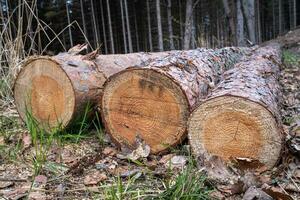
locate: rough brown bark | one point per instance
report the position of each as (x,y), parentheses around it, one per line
(57,90)
(154,100)
(240,118)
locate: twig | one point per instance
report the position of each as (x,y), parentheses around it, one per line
(13,180)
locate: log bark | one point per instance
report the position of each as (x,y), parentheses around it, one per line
(154,100)
(241,118)
(57,90)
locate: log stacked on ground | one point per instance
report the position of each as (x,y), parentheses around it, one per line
(57,90)
(154,101)
(240,118)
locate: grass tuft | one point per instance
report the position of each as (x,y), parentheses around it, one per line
(188,185)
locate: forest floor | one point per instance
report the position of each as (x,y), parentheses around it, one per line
(86,165)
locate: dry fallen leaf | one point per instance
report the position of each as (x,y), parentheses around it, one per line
(2,140)
(276,193)
(231,189)
(37,195)
(26,140)
(16,194)
(248,164)
(142,150)
(109,151)
(67,157)
(178,162)
(130,173)
(40,180)
(254,193)
(218,172)
(166,158)
(94,177)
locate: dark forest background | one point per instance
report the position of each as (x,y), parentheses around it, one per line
(122,26)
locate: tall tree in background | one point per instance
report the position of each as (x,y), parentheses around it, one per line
(185,25)
(280,16)
(69,22)
(273,18)
(123,27)
(159,28)
(136,31)
(149,26)
(103,27)
(294,13)
(258,34)
(110,28)
(128,27)
(249,13)
(188,24)
(170,25)
(95,25)
(193,32)
(230,17)
(83,18)
(240,24)
(180,24)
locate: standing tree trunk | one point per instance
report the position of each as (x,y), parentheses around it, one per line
(110,28)
(230,17)
(171,40)
(149,27)
(249,12)
(95,26)
(136,32)
(188,24)
(154,100)
(273,18)
(295,13)
(159,28)
(258,23)
(69,24)
(103,27)
(240,118)
(181,26)
(193,33)
(83,20)
(57,90)
(240,24)
(280,16)
(128,27)
(123,27)
(218,30)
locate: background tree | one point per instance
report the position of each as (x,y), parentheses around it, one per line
(121,26)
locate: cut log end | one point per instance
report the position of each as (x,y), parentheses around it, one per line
(229,126)
(44,90)
(146,103)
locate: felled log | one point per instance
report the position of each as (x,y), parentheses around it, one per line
(154,101)
(241,118)
(58,91)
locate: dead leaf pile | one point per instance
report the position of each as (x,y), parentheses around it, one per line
(142,150)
